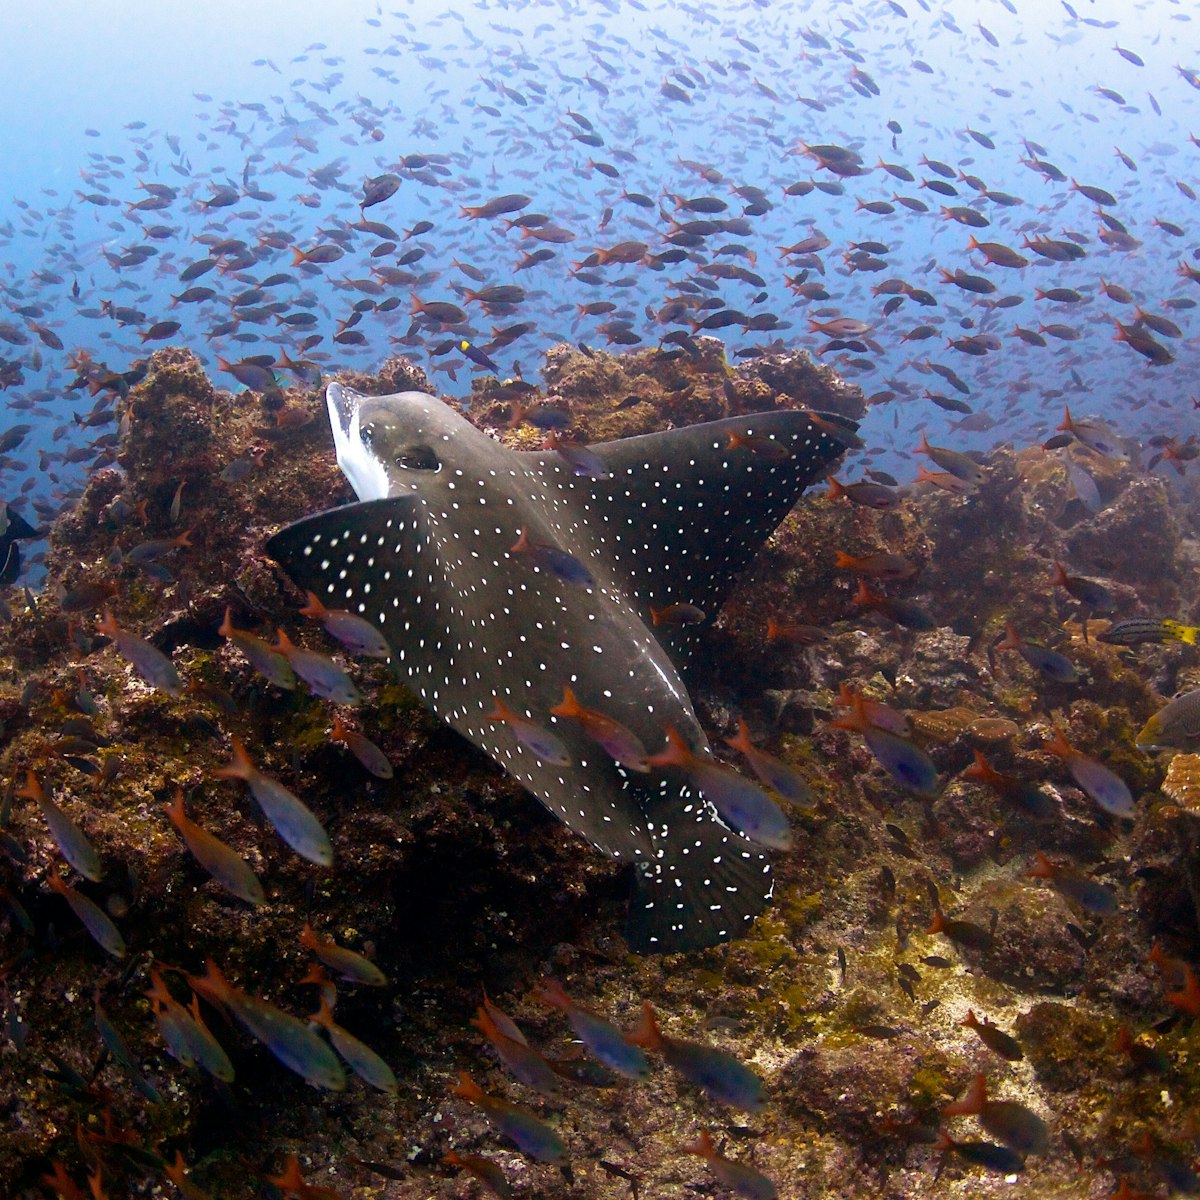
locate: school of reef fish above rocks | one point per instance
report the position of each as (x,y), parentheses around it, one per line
(971,982)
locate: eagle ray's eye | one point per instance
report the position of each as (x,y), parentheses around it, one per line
(418,457)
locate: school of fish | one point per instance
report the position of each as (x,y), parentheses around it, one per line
(906,772)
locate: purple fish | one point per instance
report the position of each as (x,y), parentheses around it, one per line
(532,1135)
(72,842)
(150,663)
(721,1075)
(557,562)
(291,818)
(742,805)
(323,676)
(532,736)
(299,1047)
(606,1042)
(93,918)
(357,635)
(1109,791)
(270,664)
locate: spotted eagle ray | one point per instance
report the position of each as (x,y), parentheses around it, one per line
(426,555)
(13,528)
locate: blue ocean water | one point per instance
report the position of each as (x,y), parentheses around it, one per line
(1007,107)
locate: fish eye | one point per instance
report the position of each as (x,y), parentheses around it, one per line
(418,457)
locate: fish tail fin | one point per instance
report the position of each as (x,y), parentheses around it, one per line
(240,767)
(647,1032)
(314,608)
(741,741)
(467,1088)
(32,789)
(1058,744)
(677,754)
(570,706)
(485,1024)
(1183,633)
(980,769)
(864,595)
(212,985)
(1011,639)
(552,993)
(972,1102)
(174,808)
(324,1014)
(1042,867)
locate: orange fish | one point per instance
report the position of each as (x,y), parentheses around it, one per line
(945,481)
(679,613)
(350,965)
(486,1171)
(62,1183)
(1187,998)
(357,1055)
(796,635)
(291,1183)
(717,1073)
(771,771)
(879,566)
(766,447)
(293,1042)
(93,918)
(222,862)
(741,804)
(177,1173)
(738,1177)
(620,743)
(869,495)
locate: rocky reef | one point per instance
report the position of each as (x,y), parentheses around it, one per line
(452,879)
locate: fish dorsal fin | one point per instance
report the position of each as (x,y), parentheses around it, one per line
(683,511)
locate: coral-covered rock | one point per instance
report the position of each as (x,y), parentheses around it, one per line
(454,879)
